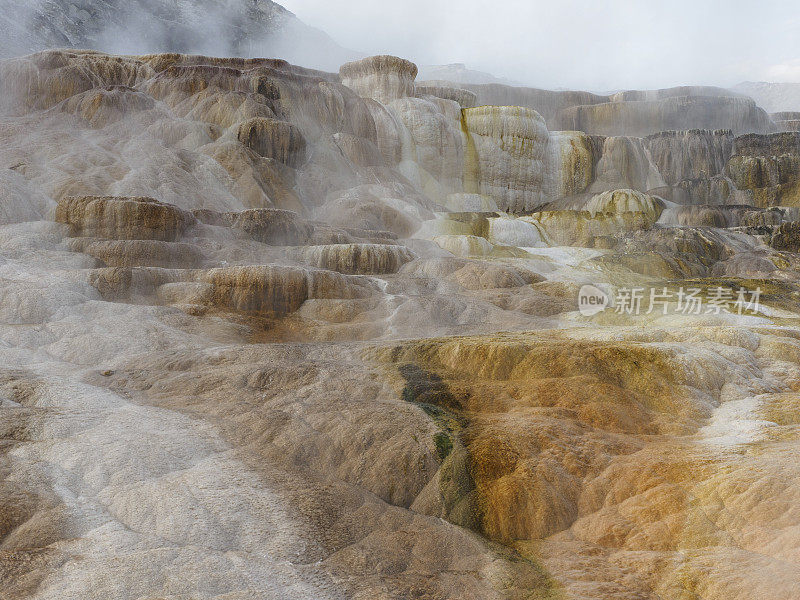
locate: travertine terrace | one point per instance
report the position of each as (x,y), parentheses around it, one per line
(274,332)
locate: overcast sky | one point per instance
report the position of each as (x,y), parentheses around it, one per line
(601,45)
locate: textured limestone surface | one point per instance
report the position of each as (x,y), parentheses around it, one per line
(507,147)
(272,332)
(635,112)
(382,78)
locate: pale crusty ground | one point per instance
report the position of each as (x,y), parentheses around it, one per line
(228,418)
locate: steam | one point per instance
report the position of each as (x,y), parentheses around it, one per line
(148,492)
(243,28)
(577,44)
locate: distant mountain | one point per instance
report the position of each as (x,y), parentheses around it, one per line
(459,73)
(217,27)
(772,97)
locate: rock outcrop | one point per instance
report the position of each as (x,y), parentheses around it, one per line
(632,113)
(464,245)
(505,155)
(587,230)
(754,219)
(357,259)
(272,226)
(625,162)
(382,78)
(786,237)
(692,154)
(547,103)
(123,218)
(437,143)
(273,139)
(624,201)
(572,162)
(139,253)
(515,232)
(645,117)
(273,290)
(465,98)
(767,168)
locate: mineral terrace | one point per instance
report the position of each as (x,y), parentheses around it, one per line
(275,333)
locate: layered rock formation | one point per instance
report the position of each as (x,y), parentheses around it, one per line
(644,117)
(632,113)
(766,168)
(625,163)
(465,98)
(272,226)
(293,334)
(694,154)
(573,162)
(122,218)
(369,259)
(438,148)
(382,78)
(505,155)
